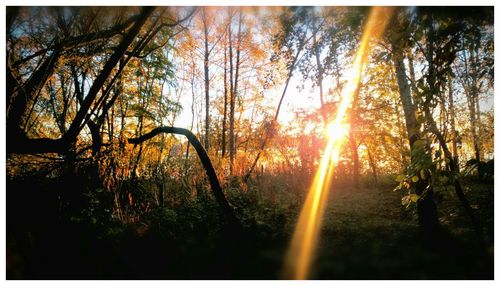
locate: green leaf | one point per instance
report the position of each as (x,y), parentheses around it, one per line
(400,178)
(414,179)
(443,179)
(419,143)
(422,174)
(421,119)
(414,197)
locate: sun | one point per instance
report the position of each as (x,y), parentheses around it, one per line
(305,237)
(337,131)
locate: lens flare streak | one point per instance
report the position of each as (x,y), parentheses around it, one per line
(304,240)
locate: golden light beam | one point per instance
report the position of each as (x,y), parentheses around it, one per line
(304,240)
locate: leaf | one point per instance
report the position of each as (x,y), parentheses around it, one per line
(414,179)
(400,178)
(443,179)
(419,145)
(422,174)
(421,119)
(414,197)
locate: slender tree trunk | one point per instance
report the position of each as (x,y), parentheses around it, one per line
(476,91)
(373,166)
(234,94)
(471,104)
(426,207)
(355,159)
(268,133)
(352,136)
(453,130)
(207,83)
(454,176)
(231,102)
(320,78)
(224,117)
(193,103)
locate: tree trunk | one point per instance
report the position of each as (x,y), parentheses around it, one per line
(268,134)
(426,207)
(207,83)
(234,93)
(231,102)
(372,164)
(431,123)
(470,92)
(454,176)
(355,159)
(320,78)
(224,117)
(452,123)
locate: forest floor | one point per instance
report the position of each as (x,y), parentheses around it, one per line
(366,234)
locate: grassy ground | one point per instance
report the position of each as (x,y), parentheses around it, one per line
(366,234)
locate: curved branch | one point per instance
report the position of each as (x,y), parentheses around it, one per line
(227,211)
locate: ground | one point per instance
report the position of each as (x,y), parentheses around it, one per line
(366,234)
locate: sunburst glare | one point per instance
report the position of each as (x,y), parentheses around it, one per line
(304,240)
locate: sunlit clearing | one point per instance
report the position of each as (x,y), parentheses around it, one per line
(303,244)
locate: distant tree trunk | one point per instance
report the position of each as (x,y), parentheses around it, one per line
(353,119)
(476,90)
(140,125)
(207,82)
(234,93)
(268,135)
(231,102)
(473,125)
(373,166)
(426,207)
(224,117)
(193,101)
(320,77)
(453,130)
(470,92)
(355,159)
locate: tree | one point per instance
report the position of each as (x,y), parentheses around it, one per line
(427,211)
(436,39)
(22,93)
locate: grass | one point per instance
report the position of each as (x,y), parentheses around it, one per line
(367,234)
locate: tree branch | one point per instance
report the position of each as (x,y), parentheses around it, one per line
(226,210)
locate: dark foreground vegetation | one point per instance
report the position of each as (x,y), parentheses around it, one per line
(367,233)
